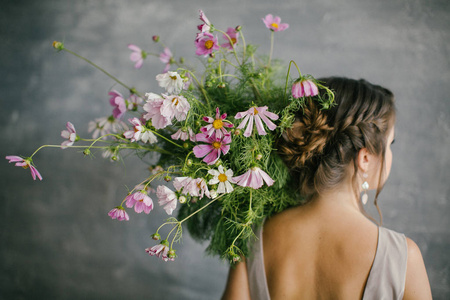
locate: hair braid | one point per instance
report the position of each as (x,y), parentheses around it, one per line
(322,144)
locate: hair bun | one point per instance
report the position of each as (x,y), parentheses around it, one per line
(307,137)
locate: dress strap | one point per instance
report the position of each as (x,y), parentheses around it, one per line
(255,268)
(388,273)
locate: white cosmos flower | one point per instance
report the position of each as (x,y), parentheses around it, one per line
(171,81)
(223,178)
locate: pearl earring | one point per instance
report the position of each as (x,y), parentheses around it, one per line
(365,187)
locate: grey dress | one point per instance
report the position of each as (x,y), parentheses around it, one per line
(386,278)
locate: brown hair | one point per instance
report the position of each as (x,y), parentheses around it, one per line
(321,144)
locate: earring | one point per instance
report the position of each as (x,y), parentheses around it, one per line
(365,187)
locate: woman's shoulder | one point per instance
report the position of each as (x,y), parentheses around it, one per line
(417,285)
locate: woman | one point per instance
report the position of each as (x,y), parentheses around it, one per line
(328,248)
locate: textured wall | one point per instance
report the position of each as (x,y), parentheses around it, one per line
(57,241)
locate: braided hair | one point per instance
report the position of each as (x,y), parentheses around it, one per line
(321,145)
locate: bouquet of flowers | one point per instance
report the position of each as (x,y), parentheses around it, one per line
(214,135)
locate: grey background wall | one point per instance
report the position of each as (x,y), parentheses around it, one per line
(56,241)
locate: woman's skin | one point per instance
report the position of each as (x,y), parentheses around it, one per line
(325,249)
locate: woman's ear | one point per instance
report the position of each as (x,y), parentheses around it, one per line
(363,160)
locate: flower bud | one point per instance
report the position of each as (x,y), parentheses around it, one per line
(211,55)
(156,236)
(236,258)
(213,194)
(238,28)
(58,45)
(167,178)
(221,85)
(87,151)
(185,145)
(258,157)
(114,158)
(237,132)
(171,253)
(181,60)
(189,162)
(182,199)
(155,38)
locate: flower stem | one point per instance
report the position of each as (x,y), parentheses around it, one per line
(287,76)
(59,146)
(200,86)
(244,46)
(271,48)
(200,209)
(163,137)
(103,70)
(232,45)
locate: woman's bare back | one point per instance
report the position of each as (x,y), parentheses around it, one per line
(318,252)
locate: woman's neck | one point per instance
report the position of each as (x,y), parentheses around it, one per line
(343,197)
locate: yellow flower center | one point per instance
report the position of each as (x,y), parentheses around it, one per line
(217,124)
(255,111)
(274,25)
(175,101)
(233,41)
(209,44)
(222,177)
(216,145)
(26,166)
(173,77)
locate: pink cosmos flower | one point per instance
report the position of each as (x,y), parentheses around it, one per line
(118,102)
(161,250)
(274,23)
(180,183)
(70,134)
(234,36)
(137,55)
(105,125)
(139,132)
(119,213)
(141,202)
(190,186)
(259,115)
(184,134)
(25,163)
(216,125)
(206,26)
(167,58)
(215,147)
(133,102)
(206,44)
(171,81)
(153,109)
(175,106)
(254,178)
(304,88)
(202,188)
(156,169)
(166,198)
